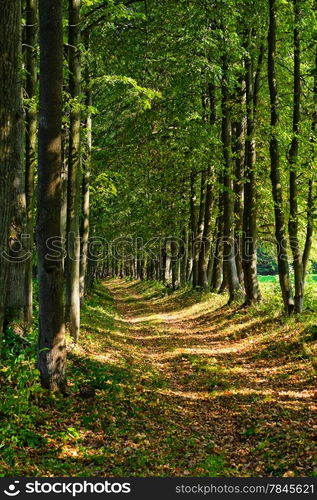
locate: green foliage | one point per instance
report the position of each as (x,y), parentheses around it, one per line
(21,393)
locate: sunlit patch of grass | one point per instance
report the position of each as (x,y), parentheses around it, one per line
(213,466)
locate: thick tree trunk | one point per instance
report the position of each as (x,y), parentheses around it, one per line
(249,245)
(52,346)
(74,174)
(30,149)
(280,228)
(10,126)
(17,240)
(228,195)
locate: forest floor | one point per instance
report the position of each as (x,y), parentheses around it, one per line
(184,386)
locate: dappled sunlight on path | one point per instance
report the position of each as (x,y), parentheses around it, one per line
(228,371)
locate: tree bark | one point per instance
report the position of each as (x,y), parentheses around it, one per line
(175,264)
(249,245)
(277,193)
(204,254)
(293,164)
(239,130)
(30,149)
(184,256)
(85,224)
(228,195)
(310,195)
(52,346)
(17,250)
(193,225)
(218,251)
(205,250)
(200,227)
(74,174)
(10,126)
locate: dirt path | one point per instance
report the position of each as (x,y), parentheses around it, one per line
(170,385)
(235,388)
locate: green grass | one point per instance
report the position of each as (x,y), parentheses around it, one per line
(274,278)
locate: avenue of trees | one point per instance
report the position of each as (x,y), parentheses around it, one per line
(153,139)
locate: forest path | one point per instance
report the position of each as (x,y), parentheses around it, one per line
(171,385)
(230,376)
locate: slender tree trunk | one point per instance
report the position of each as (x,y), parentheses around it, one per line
(10,118)
(184,256)
(193,225)
(86,194)
(293,164)
(239,129)
(175,264)
(205,250)
(52,346)
(249,245)
(168,262)
(207,236)
(74,174)
(280,227)
(30,149)
(310,196)
(200,227)
(218,252)
(228,195)
(64,180)
(212,254)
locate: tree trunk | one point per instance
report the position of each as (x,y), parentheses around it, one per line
(249,245)
(17,240)
(228,195)
(204,255)
(30,149)
(52,346)
(218,252)
(205,250)
(280,228)
(200,227)
(193,225)
(74,174)
(175,264)
(310,196)
(17,247)
(293,164)
(86,194)
(168,262)
(184,257)
(239,129)
(10,126)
